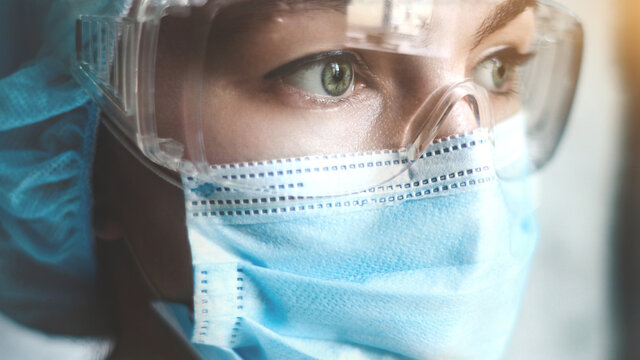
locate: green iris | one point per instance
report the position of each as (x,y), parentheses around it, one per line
(337,78)
(501,73)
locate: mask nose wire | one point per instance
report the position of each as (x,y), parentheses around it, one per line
(454,102)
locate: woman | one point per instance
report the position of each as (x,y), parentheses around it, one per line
(321,179)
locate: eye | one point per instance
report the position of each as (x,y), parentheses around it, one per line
(324,75)
(494,75)
(332,78)
(498,72)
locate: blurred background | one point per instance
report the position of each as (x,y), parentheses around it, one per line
(583,297)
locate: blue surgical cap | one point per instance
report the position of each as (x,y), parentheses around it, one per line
(47,139)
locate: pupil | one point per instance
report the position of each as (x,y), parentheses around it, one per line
(336,72)
(502,71)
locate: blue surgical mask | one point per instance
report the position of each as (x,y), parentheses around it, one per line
(429,266)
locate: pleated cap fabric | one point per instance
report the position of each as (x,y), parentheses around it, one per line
(47,139)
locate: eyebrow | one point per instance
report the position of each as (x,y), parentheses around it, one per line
(501,15)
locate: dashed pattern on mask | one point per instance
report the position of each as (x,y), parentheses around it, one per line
(373,197)
(210,298)
(449,165)
(435,150)
(333,168)
(240,297)
(378,189)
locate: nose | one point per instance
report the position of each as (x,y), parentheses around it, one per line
(462,119)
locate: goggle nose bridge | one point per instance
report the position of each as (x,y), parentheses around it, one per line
(438,107)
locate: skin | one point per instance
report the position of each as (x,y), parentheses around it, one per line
(139,215)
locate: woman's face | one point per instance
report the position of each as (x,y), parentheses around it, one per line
(283,78)
(279,81)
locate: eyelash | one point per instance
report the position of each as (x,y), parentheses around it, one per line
(361,73)
(290,68)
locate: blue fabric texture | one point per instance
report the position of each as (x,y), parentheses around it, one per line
(47,135)
(374,284)
(431,277)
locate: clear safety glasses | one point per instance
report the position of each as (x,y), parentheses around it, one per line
(220,88)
